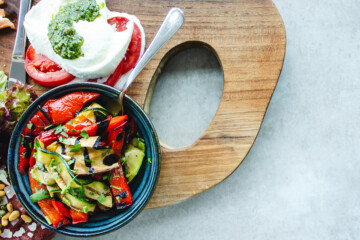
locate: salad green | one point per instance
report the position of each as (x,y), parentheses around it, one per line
(13,102)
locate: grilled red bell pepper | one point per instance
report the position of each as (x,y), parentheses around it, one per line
(61,209)
(23,160)
(63,109)
(133,128)
(81,123)
(116,140)
(78,217)
(107,125)
(120,189)
(38,122)
(117,122)
(48,137)
(46,206)
(32,159)
(116,132)
(77,125)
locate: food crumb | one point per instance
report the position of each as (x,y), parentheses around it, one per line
(9,191)
(20,232)
(14,222)
(33,226)
(6,233)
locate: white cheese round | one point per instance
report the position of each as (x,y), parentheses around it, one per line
(103,46)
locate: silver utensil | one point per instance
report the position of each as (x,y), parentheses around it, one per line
(17,69)
(172,23)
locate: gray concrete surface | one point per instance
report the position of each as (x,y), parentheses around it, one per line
(300,179)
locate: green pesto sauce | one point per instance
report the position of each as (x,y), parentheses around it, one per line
(62,35)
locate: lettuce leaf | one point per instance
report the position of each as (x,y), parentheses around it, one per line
(13,102)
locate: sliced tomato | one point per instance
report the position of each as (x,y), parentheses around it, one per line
(132,54)
(44,71)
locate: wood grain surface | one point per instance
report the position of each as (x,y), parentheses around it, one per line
(248,37)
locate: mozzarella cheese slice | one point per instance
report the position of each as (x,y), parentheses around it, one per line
(103,47)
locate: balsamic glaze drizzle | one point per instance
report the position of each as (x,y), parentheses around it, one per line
(102,126)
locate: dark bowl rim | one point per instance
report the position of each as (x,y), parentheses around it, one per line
(84,85)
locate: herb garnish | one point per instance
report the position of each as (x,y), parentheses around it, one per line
(76,148)
(117,188)
(64,134)
(48,126)
(84,134)
(101,198)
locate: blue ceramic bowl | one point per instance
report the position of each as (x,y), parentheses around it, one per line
(141,187)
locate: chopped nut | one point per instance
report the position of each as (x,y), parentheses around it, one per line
(2,14)
(26,218)
(6,216)
(4,222)
(14,215)
(2,193)
(5,22)
(9,207)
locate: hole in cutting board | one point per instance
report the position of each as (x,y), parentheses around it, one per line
(185,94)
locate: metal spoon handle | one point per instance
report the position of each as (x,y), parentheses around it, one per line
(172,23)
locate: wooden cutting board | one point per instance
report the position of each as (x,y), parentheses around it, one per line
(248,37)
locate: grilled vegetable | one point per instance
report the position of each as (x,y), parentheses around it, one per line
(76,203)
(100,192)
(42,176)
(120,189)
(78,217)
(61,209)
(46,207)
(52,189)
(94,113)
(89,157)
(77,161)
(63,109)
(134,155)
(39,195)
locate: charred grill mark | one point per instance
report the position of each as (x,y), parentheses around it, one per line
(127,133)
(111,159)
(62,148)
(86,159)
(102,126)
(71,166)
(77,140)
(96,143)
(119,137)
(122,194)
(45,113)
(28,140)
(121,126)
